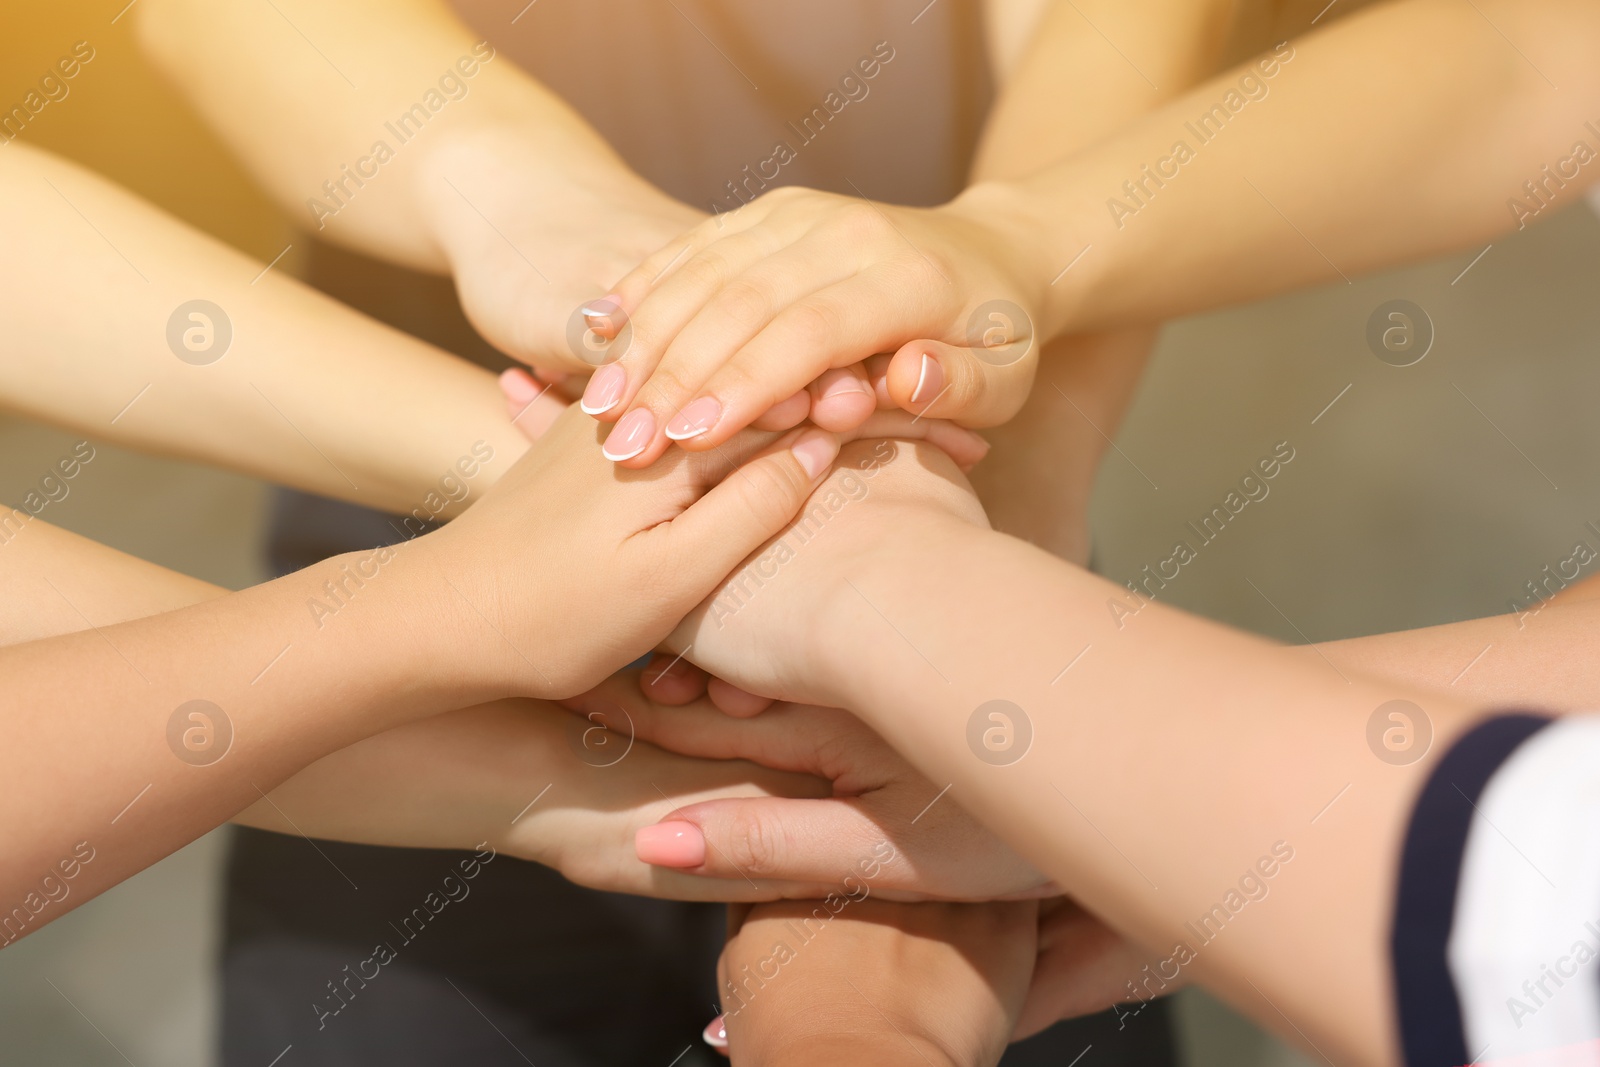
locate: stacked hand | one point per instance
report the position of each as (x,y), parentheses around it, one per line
(773,310)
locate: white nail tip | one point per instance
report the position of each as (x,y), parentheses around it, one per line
(922,378)
(687,436)
(618,459)
(587,410)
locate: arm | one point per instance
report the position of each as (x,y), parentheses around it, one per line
(306,392)
(507,188)
(1360,146)
(456,780)
(106,744)
(1037,482)
(1235,744)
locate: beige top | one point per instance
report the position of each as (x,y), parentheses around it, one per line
(716,100)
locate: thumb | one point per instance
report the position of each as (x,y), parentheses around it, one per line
(971,386)
(712,537)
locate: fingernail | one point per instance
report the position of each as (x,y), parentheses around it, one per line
(630,436)
(604,389)
(518,387)
(844,383)
(670,844)
(930,380)
(676,668)
(814,451)
(716,1033)
(697,417)
(605,307)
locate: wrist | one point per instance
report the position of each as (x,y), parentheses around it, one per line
(858,618)
(1022,225)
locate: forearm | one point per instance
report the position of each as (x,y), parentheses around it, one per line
(106,746)
(1299,186)
(1236,747)
(1037,482)
(305,391)
(1541,657)
(301,114)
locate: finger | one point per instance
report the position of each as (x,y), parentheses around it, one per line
(786,414)
(722,322)
(631,290)
(713,536)
(970,386)
(765,838)
(664,311)
(736,702)
(833,327)
(878,378)
(533,407)
(963,446)
(841,399)
(672,680)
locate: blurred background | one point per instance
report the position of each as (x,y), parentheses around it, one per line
(1423,494)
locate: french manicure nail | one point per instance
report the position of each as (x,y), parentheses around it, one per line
(630,436)
(930,380)
(603,308)
(604,389)
(814,451)
(716,1033)
(696,418)
(670,844)
(843,384)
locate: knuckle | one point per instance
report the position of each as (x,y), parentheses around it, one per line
(756,844)
(862,221)
(707,269)
(813,323)
(743,302)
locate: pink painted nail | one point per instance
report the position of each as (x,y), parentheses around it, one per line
(716,1033)
(671,844)
(930,380)
(604,389)
(697,417)
(630,436)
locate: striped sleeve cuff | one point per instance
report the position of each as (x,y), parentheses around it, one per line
(1497,917)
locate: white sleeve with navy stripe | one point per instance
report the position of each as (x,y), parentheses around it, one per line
(1496,938)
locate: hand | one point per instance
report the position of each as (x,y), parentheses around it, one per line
(570,568)
(1083,967)
(883,816)
(531,780)
(741,313)
(528,243)
(567,547)
(913,984)
(755,630)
